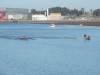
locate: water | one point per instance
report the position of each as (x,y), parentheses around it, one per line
(50,51)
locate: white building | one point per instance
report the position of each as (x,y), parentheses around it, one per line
(39,17)
(16,17)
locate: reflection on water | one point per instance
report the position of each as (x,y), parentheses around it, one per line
(49,51)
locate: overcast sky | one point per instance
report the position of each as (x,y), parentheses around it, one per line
(44,4)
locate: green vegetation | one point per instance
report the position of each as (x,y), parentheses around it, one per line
(64,11)
(96,12)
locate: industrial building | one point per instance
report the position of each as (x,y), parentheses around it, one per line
(23,14)
(14,13)
(46,16)
(17,13)
(40,16)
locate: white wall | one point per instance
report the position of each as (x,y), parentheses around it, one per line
(39,17)
(17,16)
(10,17)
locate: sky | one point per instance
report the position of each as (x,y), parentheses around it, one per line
(44,4)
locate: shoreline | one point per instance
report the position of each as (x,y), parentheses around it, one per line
(64,22)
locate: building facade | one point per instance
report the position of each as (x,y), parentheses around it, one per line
(17,13)
(39,17)
(55,16)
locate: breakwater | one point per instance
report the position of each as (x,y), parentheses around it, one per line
(64,22)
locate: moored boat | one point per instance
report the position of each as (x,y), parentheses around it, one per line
(80,25)
(52,25)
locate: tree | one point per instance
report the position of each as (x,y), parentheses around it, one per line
(33,11)
(80,13)
(96,12)
(82,10)
(64,11)
(91,11)
(76,12)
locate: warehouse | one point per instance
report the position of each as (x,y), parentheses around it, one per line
(17,13)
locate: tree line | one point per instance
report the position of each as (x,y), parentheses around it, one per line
(67,12)
(96,12)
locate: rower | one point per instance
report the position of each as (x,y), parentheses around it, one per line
(88,38)
(85,36)
(23,38)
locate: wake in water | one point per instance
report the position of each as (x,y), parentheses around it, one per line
(34,38)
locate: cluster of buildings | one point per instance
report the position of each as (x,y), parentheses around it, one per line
(14,13)
(23,14)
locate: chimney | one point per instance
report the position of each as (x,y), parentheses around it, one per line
(47,13)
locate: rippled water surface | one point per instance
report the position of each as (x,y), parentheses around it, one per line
(49,51)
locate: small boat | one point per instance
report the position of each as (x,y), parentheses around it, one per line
(23,38)
(81,25)
(52,25)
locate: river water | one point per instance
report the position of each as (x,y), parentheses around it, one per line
(49,51)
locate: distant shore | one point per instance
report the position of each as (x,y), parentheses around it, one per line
(64,22)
